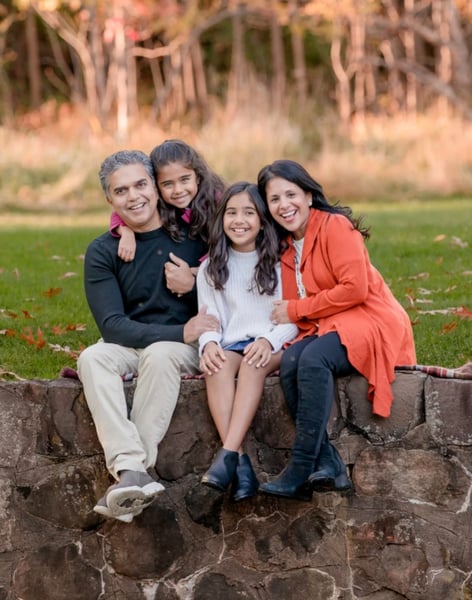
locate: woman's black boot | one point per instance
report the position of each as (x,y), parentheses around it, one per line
(245,483)
(291,483)
(222,470)
(330,473)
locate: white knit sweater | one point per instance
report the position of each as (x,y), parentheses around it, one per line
(243,312)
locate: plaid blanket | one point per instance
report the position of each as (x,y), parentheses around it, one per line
(464,372)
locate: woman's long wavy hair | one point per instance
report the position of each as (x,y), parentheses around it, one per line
(295,173)
(210,189)
(265,274)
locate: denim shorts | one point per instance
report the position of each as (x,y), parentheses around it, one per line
(239,346)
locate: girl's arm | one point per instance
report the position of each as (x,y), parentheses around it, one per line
(127,244)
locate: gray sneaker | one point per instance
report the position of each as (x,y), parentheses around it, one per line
(102,509)
(134,491)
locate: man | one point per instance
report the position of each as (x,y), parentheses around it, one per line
(146,330)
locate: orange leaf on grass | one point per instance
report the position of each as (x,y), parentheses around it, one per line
(76,327)
(29,338)
(52,292)
(11,314)
(448,327)
(464,312)
(58,330)
(8,332)
(26,314)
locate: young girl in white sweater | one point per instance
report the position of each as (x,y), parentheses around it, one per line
(238,283)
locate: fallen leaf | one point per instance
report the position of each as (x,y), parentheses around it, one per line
(464,312)
(29,338)
(456,241)
(4,374)
(419,276)
(439,238)
(58,330)
(52,292)
(76,327)
(8,332)
(26,314)
(67,275)
(448,327)
(439,311)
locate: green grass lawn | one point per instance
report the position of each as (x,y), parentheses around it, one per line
(423,249)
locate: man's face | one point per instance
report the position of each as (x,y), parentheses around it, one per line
(133,196)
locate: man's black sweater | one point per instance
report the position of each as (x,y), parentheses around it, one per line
(130,301)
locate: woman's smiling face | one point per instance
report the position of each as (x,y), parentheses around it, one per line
(289,205)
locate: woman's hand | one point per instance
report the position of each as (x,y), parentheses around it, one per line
(279,313)
(258,353)
(179,276)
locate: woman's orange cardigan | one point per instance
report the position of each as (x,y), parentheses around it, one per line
(345,293)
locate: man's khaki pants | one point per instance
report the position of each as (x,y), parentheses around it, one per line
(131,442)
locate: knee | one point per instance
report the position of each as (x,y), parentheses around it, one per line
(88,357)
(160,356)
(288,364)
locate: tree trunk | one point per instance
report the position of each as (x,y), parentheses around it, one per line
(278,60)
(34,72)
(408,38)
(299,65)
(343,93)
(236,74)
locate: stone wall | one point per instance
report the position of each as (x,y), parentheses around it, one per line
(406,531)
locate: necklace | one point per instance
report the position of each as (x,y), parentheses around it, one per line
(298,245)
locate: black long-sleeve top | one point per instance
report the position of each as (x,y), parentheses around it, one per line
(130,301)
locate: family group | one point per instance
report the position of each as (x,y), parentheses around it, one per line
(234,282)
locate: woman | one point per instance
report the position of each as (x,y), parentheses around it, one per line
(349,321)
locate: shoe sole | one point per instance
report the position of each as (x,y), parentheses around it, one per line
(304,497)
(124,500)
(331,484)
(213,484)
(104,511)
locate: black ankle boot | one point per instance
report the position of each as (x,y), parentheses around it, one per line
(222,469)
(245,483)
(291,483)
(330,473)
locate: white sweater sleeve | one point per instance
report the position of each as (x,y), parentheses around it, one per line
(207,298)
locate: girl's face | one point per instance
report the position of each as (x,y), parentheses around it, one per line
(177,185)
(241,223)
(289,205)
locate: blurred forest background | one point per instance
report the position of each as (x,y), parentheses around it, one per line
(373,96)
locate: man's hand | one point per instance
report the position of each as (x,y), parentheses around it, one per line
(198,324)
(179,276)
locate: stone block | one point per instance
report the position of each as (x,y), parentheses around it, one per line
(448,410)
(407,407)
